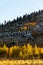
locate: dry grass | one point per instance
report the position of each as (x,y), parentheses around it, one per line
(21,62)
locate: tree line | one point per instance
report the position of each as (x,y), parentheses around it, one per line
(26,18)
(21,52)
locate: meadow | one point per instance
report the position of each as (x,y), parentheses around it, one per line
(21,62)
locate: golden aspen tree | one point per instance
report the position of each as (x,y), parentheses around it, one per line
(21,54)
(36,51)
(29,50)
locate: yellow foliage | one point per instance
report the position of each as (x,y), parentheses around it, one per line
(24,28)
(36,51)
(32,23)
(15,47)
(5,48)
(24,52)
(29,49)
(11,48)
(1,48)
(20,54)
(41,50)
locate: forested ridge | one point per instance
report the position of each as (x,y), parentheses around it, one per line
(25,29)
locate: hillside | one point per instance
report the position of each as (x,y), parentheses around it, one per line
(28,28)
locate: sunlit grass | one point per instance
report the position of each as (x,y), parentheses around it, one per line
(21,62)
